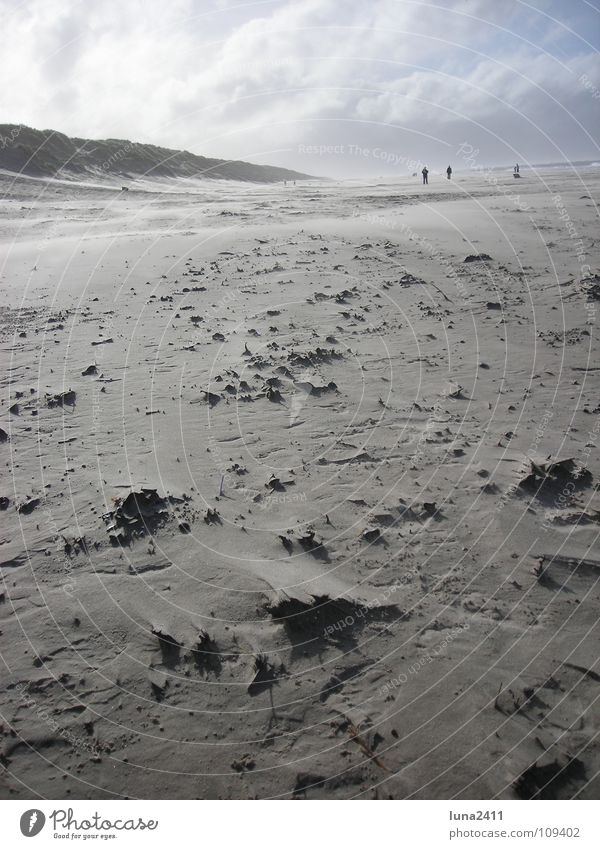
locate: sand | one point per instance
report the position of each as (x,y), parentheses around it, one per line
(280,515)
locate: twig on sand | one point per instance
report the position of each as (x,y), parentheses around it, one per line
(364,746)
(496,702)
(588,673)
(450,301)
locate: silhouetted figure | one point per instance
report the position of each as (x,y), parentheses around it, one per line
(425,172)
(449,172)
(517,168)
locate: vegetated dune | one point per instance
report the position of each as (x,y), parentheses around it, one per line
(47,153)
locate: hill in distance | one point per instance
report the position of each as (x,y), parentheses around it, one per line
(49,154)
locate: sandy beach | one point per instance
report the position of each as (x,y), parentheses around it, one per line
(299,488)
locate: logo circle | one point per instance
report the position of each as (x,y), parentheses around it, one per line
(32,822)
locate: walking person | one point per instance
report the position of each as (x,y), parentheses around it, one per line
(425,172)
(449,172)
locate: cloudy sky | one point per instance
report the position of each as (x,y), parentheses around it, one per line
(331,87)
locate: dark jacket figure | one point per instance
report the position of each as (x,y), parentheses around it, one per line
(425,172)
(449,172)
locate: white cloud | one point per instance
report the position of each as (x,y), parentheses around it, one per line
(231,80)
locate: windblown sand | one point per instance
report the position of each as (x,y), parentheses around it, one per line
(281,509)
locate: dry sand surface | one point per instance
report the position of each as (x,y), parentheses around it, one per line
(285,512)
